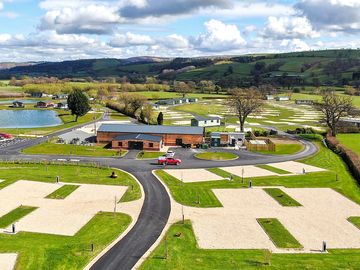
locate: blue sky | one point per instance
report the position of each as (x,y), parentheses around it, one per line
(73,29)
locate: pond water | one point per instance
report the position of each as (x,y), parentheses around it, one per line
(25,101)
(28,118)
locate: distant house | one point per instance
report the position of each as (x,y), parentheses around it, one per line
(62,105)
(282,98)
(304,102)
(18,104)
(45,104)
(176,101)
(227,139)
(60,96)
(269,97)
(199,121)
(36,94)
(193,100)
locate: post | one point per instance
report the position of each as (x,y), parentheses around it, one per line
(324,247)
(92,247)
(13,228)
(57,179)
(250,184)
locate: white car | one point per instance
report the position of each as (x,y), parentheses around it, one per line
(170,154)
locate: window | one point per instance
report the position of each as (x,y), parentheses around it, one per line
(120,144)
(151,145)
(205,121)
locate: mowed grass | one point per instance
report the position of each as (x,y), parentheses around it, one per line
(47,251)
(284,149)
(184,253)
(278,234)
(351,141)
(273,169)
(149,155)
(71,149)
(216,156)
(355,221)
(69,173)
(62,192)
(14,215)
(281,197)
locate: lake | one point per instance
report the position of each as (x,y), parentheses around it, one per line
(28,118)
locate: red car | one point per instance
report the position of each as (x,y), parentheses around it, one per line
(169,161)
(6,136)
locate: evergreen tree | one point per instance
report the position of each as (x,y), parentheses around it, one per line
(78,103)
(160,118)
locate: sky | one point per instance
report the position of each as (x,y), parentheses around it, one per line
(56,30)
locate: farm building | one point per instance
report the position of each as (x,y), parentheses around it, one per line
(200,121)
(227,139)
(45,104)
(304,102)
(148,137)
(17,104)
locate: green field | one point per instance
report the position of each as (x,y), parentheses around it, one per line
(16,214)
(72,149)
(62,192)
(216,156)
(183,253)
(156,95)
(71,173)
(284,149)
(278,234)
(281,197)
(47,251)
(352,141)
(149,155)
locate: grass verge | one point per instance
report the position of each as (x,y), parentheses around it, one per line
(355,221)
(273,169)
(62,192)
(284,149)
(278,234)
(281,197)
(149,155)
(15,215)
(216,156)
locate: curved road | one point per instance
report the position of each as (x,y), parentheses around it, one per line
(156,208)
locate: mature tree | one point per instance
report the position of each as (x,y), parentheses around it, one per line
(160,118)
(146,113)
(245,102)
(78,103)
(334,107)
(182,88)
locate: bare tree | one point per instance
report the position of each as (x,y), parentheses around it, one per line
(245,102)
(334,107)
(182,88)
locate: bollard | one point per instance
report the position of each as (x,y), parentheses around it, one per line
(13,228)
(324,247)
(250,184)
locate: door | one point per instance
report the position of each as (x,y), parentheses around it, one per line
(136,145)
(179,142)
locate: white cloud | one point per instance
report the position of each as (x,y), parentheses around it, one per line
(294,45)
(288,27)
(219,37)
(332,15)
(130,39)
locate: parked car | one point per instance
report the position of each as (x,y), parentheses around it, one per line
(169,161)
(170,154)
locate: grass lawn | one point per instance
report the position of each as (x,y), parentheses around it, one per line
(163,95)
(62,192)
(69,173)
(14,215)
(47,251)
(351,141)
(281,197)
(183,254)
(149,155)
(273,169)
(71,149)
(65,116)
(278,234)
(284,149)
(188,193)
(216,156)
(355,221)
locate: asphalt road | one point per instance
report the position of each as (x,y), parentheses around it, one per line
(156,208)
